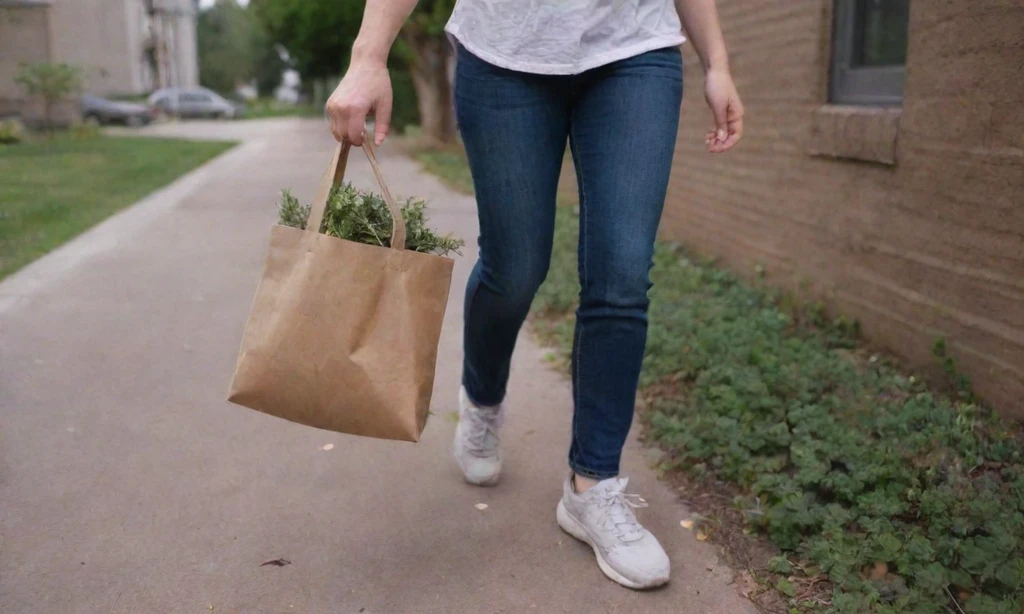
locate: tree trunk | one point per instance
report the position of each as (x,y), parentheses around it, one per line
(429,71)
(48,116)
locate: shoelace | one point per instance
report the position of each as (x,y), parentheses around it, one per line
(481,423)
(618,506)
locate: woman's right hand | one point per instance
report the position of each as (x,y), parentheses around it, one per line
(365,88)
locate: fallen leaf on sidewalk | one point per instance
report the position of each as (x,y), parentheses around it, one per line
(687,524)
(327,447)
(276,562)
(702,536)
(480,506)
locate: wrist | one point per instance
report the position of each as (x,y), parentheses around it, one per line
(366,53)
(716,62)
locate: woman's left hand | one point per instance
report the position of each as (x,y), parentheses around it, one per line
(720,93)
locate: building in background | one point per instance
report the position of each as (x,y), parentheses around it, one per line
(124,47)
(882,172)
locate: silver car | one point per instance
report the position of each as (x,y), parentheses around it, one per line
(194,102)
(103,111)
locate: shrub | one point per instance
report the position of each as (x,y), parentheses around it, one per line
(50,81)
(11,131)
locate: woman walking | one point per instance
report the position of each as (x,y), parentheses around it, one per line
(606,76)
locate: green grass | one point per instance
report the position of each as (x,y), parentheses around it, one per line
(449,165)
(53,190)
(259,109)
(905,498)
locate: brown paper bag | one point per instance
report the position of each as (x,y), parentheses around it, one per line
(343,336)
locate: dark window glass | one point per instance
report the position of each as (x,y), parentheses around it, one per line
(881,32)
(869,51)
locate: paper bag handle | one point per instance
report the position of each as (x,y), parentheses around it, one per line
(336,172)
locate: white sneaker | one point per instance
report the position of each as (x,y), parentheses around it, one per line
(476,441)
(603,518)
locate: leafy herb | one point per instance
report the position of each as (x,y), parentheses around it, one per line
(364,217)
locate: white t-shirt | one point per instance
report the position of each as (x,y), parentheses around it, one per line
(563,37)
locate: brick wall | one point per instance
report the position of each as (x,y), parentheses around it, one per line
(931,246)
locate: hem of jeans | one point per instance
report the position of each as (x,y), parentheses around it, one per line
(471,399)
(593,475)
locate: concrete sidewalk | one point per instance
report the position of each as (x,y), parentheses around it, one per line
(128,485)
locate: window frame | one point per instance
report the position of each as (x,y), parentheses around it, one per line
(859,85)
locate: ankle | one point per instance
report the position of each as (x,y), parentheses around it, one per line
(581,484)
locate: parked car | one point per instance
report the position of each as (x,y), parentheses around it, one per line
(194,102)
(104,111)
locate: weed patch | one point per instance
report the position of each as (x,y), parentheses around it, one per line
(906,500)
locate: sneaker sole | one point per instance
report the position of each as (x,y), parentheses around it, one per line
(571,526)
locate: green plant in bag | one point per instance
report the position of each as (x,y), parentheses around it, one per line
(364,217)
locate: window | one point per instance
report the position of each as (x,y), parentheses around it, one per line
(869,51)
(195,97)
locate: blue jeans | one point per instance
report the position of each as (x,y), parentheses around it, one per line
(621,122)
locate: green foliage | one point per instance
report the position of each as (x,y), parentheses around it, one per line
(430,16)
(405,111)
(786,588)
(855,465)
(960,383)
(11,131)
(364,217)
(291,212)
(52,81)
(318,34)
(270,65)
(780,565)
(234,48)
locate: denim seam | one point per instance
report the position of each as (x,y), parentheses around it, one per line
(469,311)
(574,143)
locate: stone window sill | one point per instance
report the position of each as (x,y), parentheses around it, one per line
(855,133)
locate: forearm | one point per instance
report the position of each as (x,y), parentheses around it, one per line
(700,21)
(382,19)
